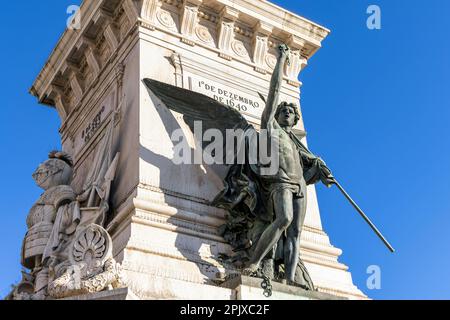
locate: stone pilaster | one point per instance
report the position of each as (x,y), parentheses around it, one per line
(189,20)
(227,21)
(262,32)
(176,62)
(149,10)
(297,62)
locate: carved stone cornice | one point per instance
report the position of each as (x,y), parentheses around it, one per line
(246,31)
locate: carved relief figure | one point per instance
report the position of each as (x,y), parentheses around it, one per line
(66,248)
(55,215)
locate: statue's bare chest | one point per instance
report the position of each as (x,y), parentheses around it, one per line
(290,164)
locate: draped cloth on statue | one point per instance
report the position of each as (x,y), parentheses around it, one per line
(66,222)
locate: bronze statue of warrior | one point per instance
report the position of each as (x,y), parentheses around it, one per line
(266,211)
(263,209)
(284,192)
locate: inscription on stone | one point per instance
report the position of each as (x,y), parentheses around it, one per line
(94,123)
(247,104)
(93,126)
(229,97)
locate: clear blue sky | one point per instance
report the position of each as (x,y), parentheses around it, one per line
(376,106)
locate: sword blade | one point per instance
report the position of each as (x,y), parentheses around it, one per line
(365,217)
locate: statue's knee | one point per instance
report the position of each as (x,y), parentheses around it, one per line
(285,221)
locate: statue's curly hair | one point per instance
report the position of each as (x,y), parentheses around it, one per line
(61,155)
(294,106)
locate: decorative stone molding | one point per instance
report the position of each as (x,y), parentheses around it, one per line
(111,36)
(76,84)
(165,19)
(120,72)
(130,9)
(271,61)
(204,35)
(208,16)
(93,61)
(92,267)
(175,59)
(239,48)
(60,102)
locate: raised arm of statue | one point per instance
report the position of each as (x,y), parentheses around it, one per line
(268,116)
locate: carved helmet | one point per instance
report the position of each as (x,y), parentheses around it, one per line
(57,170)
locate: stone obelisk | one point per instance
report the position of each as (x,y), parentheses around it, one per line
(164,231)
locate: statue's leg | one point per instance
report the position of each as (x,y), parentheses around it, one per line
(283,210)
(292,245)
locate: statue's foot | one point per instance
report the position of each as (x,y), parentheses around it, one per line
(295,284)
(250,270)
(291,283)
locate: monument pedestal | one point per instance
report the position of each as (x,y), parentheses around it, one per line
(238,288)
(164,230)
(115,295)
(247,288)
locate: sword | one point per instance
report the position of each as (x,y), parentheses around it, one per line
(365,217)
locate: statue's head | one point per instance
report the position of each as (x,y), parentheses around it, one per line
(57,170)
(287,114)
